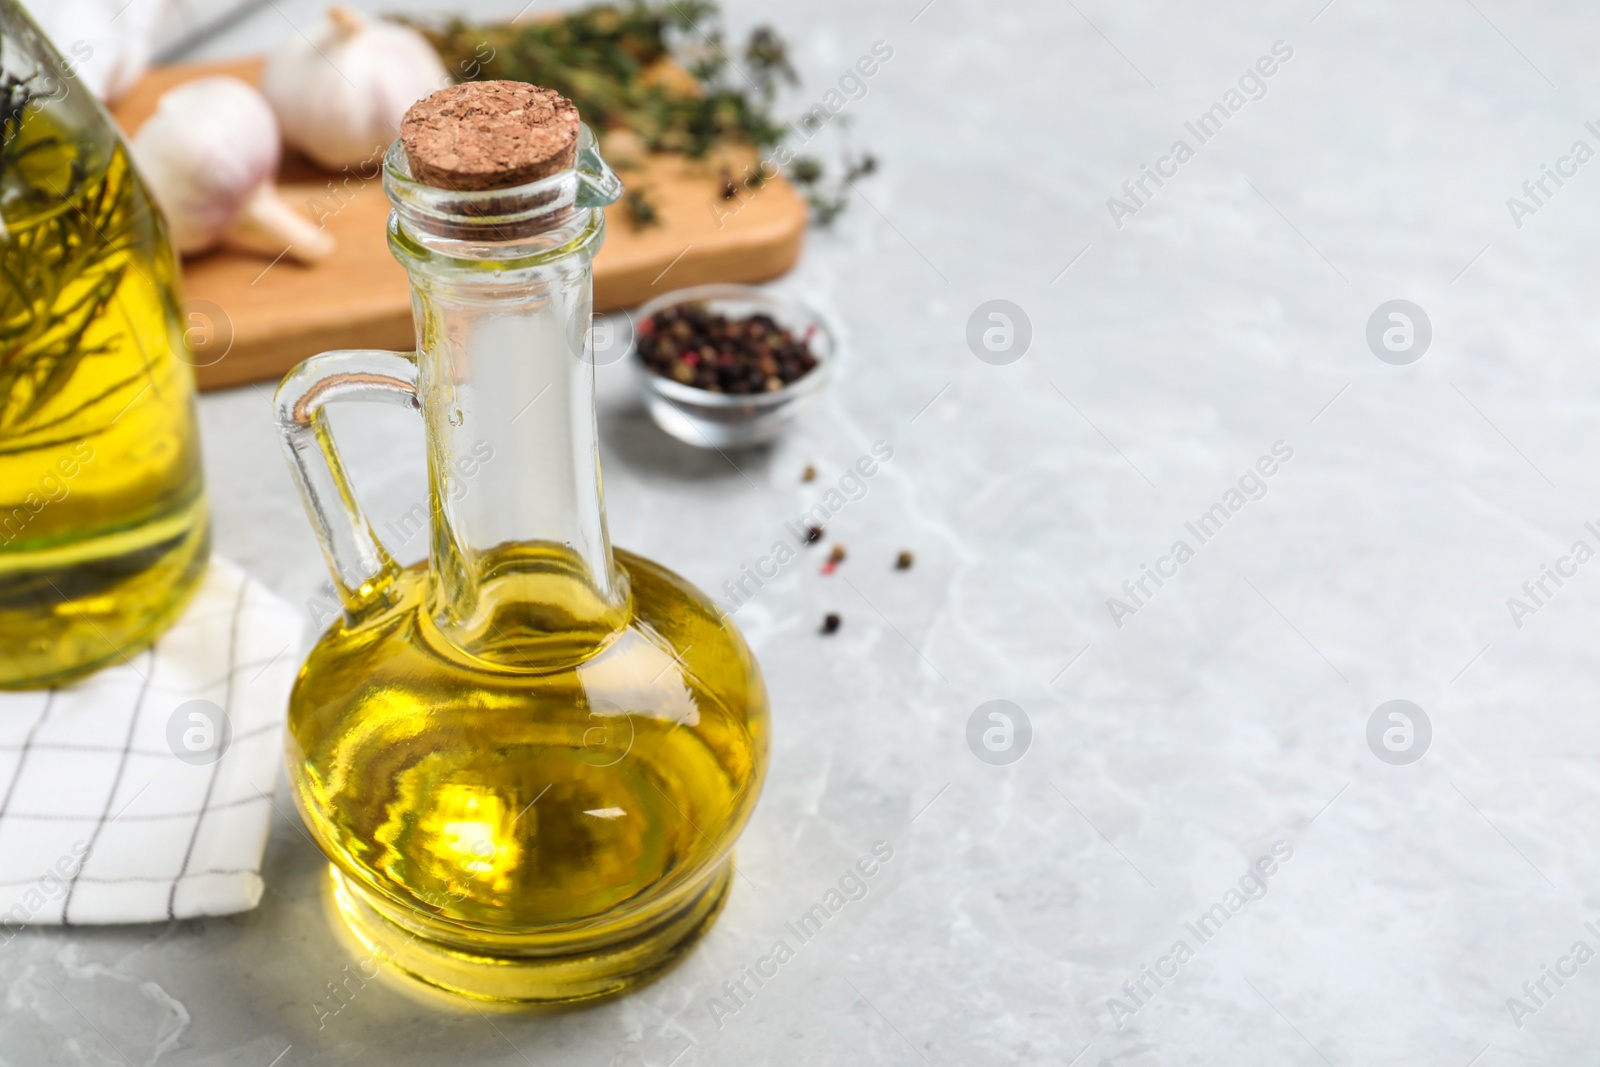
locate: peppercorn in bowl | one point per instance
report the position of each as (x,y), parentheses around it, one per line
(722,366)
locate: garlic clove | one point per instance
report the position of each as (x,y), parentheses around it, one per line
(207,154)
(268,217)
(210,143)
(341,90)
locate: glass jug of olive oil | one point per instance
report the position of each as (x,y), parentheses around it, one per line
(103,527)
(528,757)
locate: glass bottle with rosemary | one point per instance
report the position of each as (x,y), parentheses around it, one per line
(103,527)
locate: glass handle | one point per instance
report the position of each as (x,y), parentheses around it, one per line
(362,569)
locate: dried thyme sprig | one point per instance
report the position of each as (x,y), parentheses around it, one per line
(607,60)
(601,57)
(829,198)
(641,210)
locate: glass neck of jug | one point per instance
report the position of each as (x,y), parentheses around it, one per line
(502,286)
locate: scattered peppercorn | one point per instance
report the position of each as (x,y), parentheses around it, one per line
(813,535)
(809,474)
(830,623)
(837,555)
(904,560)
(692,345)
(729,190)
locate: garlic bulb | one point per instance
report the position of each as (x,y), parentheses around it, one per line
(209,155)
(341,90)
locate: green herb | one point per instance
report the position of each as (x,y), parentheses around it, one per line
(14,99)
(17,98)
(829,199)
(613,61)
(805,170)
(641,211)
(767,58)
(58,272)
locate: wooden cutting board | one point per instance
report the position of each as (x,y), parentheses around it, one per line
(280,313)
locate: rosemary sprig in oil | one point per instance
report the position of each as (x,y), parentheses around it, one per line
(58,273)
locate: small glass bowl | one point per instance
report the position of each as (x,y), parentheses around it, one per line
(722,420)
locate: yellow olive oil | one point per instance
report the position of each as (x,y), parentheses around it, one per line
(549,826)
(103,526)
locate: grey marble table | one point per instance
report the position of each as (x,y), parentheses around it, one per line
(1203,764)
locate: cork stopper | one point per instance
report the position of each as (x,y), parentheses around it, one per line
(489,135)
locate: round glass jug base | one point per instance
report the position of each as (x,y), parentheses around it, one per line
(590,975)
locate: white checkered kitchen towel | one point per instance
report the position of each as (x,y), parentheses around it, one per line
(128,796)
